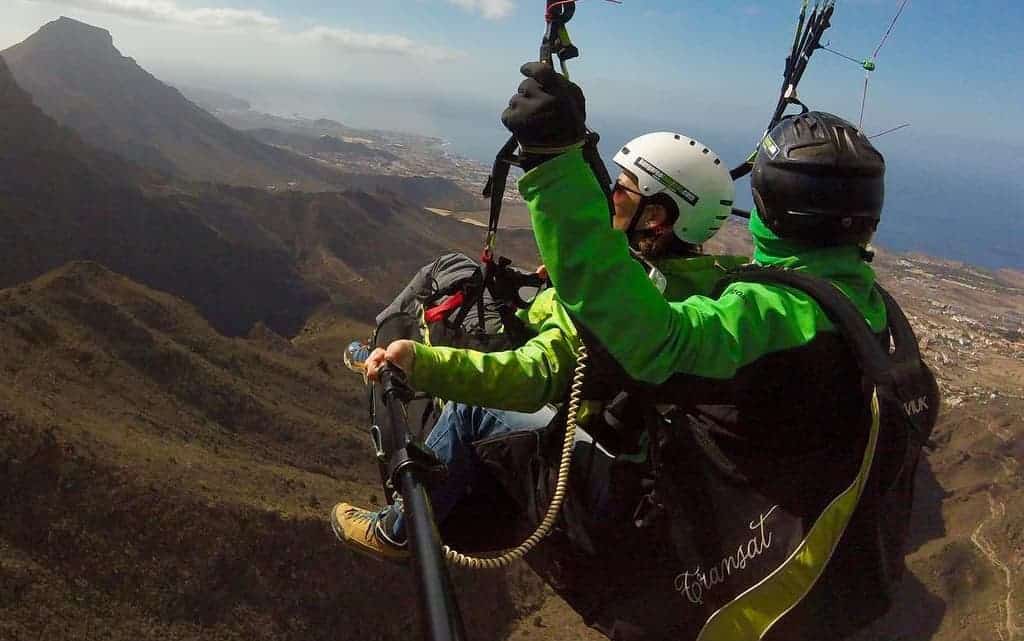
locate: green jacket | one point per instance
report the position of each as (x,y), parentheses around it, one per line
(654,338)
(540,371)
(761,363)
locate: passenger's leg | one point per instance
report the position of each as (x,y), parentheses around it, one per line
(452,440)
(382,534)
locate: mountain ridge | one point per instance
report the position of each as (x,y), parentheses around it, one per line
(239,254)
(174,480)
(159,479)
(78,77)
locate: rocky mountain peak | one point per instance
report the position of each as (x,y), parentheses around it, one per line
(68,34)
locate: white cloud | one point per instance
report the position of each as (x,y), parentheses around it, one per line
(490,9)
(164,11)
(240,20)
(377,43)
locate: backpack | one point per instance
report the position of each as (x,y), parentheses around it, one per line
(455,301)
(712,551)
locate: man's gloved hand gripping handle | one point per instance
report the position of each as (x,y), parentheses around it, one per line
(547,115)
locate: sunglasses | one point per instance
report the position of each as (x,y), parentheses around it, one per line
(620,188)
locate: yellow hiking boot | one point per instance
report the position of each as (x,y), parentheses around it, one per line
(364,532)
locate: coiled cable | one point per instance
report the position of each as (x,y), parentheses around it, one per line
(507,557)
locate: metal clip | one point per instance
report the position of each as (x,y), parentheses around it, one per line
(378,442)
(648,511)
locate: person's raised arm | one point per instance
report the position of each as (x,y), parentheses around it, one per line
(609,294)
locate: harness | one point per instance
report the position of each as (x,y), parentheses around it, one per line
(724,543)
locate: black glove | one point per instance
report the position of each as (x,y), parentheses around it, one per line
(548,114)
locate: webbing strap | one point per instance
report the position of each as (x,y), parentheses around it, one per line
(556,42)
(495,190)
(440,312)
(873,361)
(752,614)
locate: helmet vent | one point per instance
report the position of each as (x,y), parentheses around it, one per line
(798,125)
(848,142)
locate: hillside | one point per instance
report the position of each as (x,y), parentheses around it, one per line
(324,145)
(240,255)
(158,480)
(60,200)
(174,421)
(162,481)
(76,75)
(354,244)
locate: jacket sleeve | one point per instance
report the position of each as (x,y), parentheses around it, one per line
(608,293)
(521,380)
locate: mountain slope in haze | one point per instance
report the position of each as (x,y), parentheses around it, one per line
(61,200)
(160,481)
(212,100)
(324,144)
(240,255)
(411,165)
(360,248)
(77,76)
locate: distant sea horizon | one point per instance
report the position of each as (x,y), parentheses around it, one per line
(951,199)
(978,220)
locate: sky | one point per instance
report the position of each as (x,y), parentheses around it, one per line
(948,62)
(710,69)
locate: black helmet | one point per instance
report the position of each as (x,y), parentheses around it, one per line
(819,179)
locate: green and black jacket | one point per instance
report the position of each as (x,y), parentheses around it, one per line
(539,372)
(760,365)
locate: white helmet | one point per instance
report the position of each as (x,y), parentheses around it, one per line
(689,173)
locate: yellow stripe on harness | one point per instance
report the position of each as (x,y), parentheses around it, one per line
(749,616)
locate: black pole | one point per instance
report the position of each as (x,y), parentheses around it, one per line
(409,465)
(442,618)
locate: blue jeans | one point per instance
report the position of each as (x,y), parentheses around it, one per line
(458,427)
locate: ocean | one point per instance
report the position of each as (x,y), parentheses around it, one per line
(947,197)
(944,199)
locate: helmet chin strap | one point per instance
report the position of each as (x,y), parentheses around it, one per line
(637,215)
(634,234)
